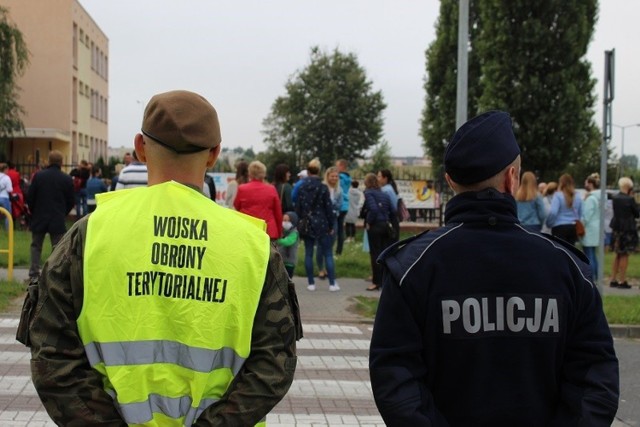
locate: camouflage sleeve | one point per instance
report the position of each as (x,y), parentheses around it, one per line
(268,372)
(69,388)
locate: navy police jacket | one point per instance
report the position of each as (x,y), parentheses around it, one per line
(483,323)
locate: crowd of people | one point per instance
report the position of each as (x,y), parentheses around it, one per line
(328,202)
(330,216)
(559,209)
(320,211)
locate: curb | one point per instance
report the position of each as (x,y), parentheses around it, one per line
(625,331)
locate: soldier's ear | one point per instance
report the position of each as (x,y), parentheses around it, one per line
(138,142)
(213,156)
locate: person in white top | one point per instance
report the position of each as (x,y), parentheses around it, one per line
(133,175)
(6,188)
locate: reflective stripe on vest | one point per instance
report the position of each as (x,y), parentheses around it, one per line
(140,353)
(175,408)
(167,316)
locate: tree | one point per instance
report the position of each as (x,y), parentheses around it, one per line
(14,58)
(530,62)
(628,163)
(272,158)
(534,67)
(380,158)
(330,111)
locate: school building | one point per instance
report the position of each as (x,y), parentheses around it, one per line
(65,89)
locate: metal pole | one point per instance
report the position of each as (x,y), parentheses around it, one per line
(620,168)
(463,54)
(622,152)
(607,99)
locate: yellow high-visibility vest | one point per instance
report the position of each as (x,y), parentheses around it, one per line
(172,283)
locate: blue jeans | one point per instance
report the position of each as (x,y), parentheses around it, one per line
(81,203)
(590,252)
(325,247)
(6,203)
(320,254)
(340,231)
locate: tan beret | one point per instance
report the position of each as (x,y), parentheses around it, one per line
(181,121)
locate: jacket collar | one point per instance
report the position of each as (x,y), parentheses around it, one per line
(488,205)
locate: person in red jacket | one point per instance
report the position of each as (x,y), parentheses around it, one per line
(16,196)
(260,200)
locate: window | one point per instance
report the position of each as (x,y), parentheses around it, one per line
(81,36)
(81,87)
(74,112)
(75,45)
(93,103)
(93,57)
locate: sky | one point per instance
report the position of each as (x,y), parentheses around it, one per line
(240,54)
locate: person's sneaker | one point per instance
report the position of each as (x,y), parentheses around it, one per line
(614,284)
(624,285)
(311,287)
(334,288)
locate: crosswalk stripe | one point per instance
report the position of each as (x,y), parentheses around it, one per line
(305,343)
(14,385)
(331,329)
(26,419)
(332,344)
(9,339)
(15,357)
(9,322)
(333,362)
(334,389)
(21,385)
(304,362)
(333,420)
(327,328)
(41,418)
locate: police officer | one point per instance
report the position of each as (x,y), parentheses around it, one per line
(162,308)
(484,323)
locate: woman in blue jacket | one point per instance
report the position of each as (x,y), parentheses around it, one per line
(531,211)
(566,209)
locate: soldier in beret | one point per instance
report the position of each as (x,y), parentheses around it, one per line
(483,322)
(194,324)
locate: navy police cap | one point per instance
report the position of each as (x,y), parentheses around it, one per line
(481,148)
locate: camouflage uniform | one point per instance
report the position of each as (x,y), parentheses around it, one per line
(72,391)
